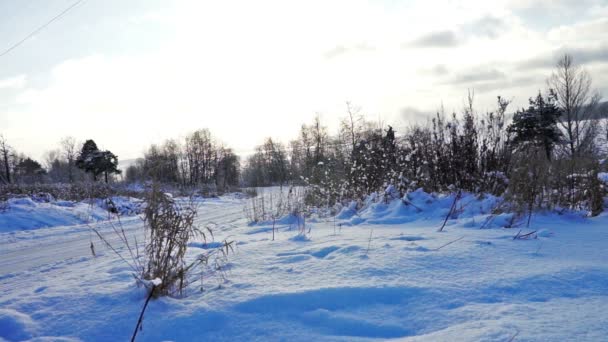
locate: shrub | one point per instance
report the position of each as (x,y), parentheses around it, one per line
(169,227)
(69,192)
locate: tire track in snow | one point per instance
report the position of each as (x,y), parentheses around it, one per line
(83,239)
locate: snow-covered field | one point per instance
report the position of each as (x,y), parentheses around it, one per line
(382,273)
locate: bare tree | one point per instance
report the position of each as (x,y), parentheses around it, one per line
(268,165)
(5,154)
(320,139)
(50,157)
(351,125)
(70,152)
(200,150)
(571,86)
(55,166)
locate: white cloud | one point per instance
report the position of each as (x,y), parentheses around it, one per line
(553,5)
(17,82)
(592,32)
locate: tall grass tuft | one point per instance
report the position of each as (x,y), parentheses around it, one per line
(159,259)
(168,228)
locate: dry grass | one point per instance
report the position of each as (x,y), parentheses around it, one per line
(159,261)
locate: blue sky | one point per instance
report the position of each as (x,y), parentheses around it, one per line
(131,73)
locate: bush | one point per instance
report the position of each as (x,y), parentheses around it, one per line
(169,227)
(69,192)
(272,206)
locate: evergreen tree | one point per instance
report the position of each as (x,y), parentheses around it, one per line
(97,162)
(29,171)
(106,162)
(537,125)
(86,157)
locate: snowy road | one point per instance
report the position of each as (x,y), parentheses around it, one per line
(24,254)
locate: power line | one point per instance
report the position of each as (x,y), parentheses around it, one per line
(57,17)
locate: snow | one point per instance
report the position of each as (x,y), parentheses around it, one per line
(15,325)
(25,213)
(385,273)
(156,281)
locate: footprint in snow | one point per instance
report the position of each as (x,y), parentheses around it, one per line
(296,258)
(40,289)
(417,249)
(323,252)
(349,249)
(305,255)
(483,243)
(408,238)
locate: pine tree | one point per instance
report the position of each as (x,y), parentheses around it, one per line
(29,171)
(97,162)
(86,156)
(537,125)
(106,162)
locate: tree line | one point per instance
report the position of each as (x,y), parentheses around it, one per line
(199,160)
(66,164)
(545,155)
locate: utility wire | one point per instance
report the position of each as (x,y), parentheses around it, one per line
(57,17)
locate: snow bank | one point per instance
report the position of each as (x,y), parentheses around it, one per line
(419,205)
(15,326)
(26,213)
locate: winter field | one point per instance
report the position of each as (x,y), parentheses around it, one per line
(384,272)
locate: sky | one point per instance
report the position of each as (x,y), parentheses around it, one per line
(131,73)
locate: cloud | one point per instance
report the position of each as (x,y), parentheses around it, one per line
(439,39)
(552,5)
(593,31)
(437,70)
(597,54)
(546,14)
(340,50)
(582,55)
(485,79)
(413,114)
(487,26)
(17,82)
(336,51)
(506,85)
(477,75)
